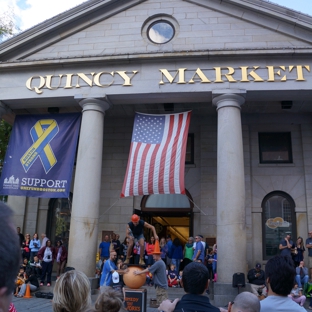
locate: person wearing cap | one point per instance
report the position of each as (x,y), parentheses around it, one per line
(109,269)
(256,279)
(158,270)
(135,230)
(309,246)
(286,245)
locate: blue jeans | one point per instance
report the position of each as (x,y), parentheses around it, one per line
(176,262)
(301,281)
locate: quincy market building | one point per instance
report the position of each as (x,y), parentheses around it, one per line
(244,69)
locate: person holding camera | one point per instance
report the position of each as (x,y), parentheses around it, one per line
(47,254)
(34,247)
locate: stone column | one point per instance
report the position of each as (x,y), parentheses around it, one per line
(231,225)
(83,235)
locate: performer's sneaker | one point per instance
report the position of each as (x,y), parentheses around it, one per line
(127,261)
(141,262)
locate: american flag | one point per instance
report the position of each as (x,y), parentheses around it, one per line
(157,155)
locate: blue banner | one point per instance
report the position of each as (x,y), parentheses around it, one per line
(40,157)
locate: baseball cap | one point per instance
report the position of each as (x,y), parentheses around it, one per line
(258,266)
(115,277)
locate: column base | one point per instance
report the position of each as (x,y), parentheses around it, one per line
(224,293)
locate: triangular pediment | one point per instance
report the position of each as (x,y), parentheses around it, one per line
(119,28)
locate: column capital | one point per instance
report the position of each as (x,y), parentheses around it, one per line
(98,103)
(228,98)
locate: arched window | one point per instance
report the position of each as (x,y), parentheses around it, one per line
(278,219)
(58,222)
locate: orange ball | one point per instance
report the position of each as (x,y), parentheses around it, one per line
(134,281)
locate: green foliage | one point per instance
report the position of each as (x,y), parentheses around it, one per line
(5,132)
(8,24)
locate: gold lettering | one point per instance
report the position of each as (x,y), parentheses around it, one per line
(68,81)
(97,78)
(49,80)
(252,73)
(164,72)
(272,73)
(37,89)
(228,75)
(126,78)
(300,71)
(201,76)
(85,79)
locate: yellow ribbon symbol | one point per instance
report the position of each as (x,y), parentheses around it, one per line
(42,134)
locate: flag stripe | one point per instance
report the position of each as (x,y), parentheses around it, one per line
(157,155)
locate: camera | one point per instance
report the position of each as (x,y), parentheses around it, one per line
(49,257)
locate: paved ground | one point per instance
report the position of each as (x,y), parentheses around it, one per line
(44,305)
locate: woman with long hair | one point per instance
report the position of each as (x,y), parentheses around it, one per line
(298,251)
(61,257)
(25,247)
(34,246)
(47,255)
(149,250)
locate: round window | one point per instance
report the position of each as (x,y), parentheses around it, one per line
(160,32)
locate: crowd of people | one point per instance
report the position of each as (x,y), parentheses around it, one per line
(166,264)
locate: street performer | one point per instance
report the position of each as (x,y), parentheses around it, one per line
(135,231)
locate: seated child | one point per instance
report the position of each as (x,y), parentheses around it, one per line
(296,295)
(180,278)
(172,276)
(20,280)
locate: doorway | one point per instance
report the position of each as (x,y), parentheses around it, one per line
(169,213)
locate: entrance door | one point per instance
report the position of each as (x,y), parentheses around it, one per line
(170,214)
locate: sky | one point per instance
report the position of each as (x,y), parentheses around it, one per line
(32,12)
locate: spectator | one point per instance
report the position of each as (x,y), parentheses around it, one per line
(136,252)
(20,280)
(199,252)
(176,253)
(286,245)
(10,256)
(302,276)
(299,250)
(194,282)
(109,301)
(25,246)
(149,248)
(25,264)
(163,249)
(188,252)
(116,244)
(169,246)
(172,276)
(36,266)
(72,292)
(33,283)
(34,247)
(243,302)
(104,248)
(43,240)
(61,257)
(280,275)
(20,235)
(297,296)
(309,246)
(210,260)
(124,249)
(256,279)
(47,256)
